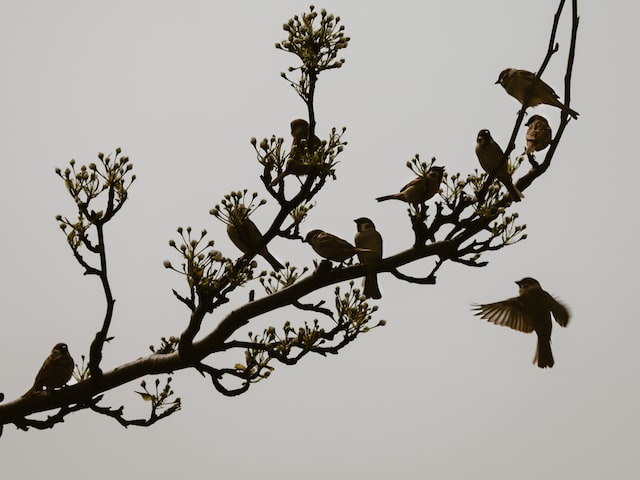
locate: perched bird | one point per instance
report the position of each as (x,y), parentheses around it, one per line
(490,155)
(538,134)
(418,190)
(245,235)
(518,84)
(368,237)
(331,247)
(298,164)
(528,312)
(55,371)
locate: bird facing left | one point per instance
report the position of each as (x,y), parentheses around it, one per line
(490,156)
(247,237)
(331,247)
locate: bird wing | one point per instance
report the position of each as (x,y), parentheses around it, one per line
(527,76)
(369,246)
(333,248)
(415,181)
(507,313)
(245,235)
(560,311)
(328,240)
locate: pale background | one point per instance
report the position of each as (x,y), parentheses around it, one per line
(437,393)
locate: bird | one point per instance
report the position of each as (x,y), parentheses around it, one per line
(538,135)
(55,372)
(491,156)
(368,237)
(247,237)
(530,311)
(331,247)
(298,163)
(518,84)
(418,190)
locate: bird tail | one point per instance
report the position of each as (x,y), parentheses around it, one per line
(387,197)
(277,180)
(29,392)
(371,288)
(516,195)
(571,112)
(543,357)
(275,264)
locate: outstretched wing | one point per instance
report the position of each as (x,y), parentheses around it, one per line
(560,311)
(508,313)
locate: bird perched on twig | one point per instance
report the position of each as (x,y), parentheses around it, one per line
(491,156)
(530,311)
(369,238)
(247,237)
(301,149)
(331,247)
(55,372)
(538,135)
(418,190)
(519,84)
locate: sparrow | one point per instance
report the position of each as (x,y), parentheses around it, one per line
(368,237)
(247,237)
(538,134)
(517,83)
(490,155)
(331,247)
(298,164)
(530,311)
(420,189)
(55,371)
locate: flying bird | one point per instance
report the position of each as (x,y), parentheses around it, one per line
(490,156)
(367,237)
(55,372)
(530,311)
(418,190)
(519,84)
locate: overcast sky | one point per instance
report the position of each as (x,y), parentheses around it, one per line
(437,393)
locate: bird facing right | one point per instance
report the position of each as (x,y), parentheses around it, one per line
(530,311)
(420,189)
(55,372)
(490,156)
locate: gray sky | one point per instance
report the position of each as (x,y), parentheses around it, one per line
(182,87)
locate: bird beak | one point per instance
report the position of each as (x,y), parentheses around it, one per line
(497,82)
